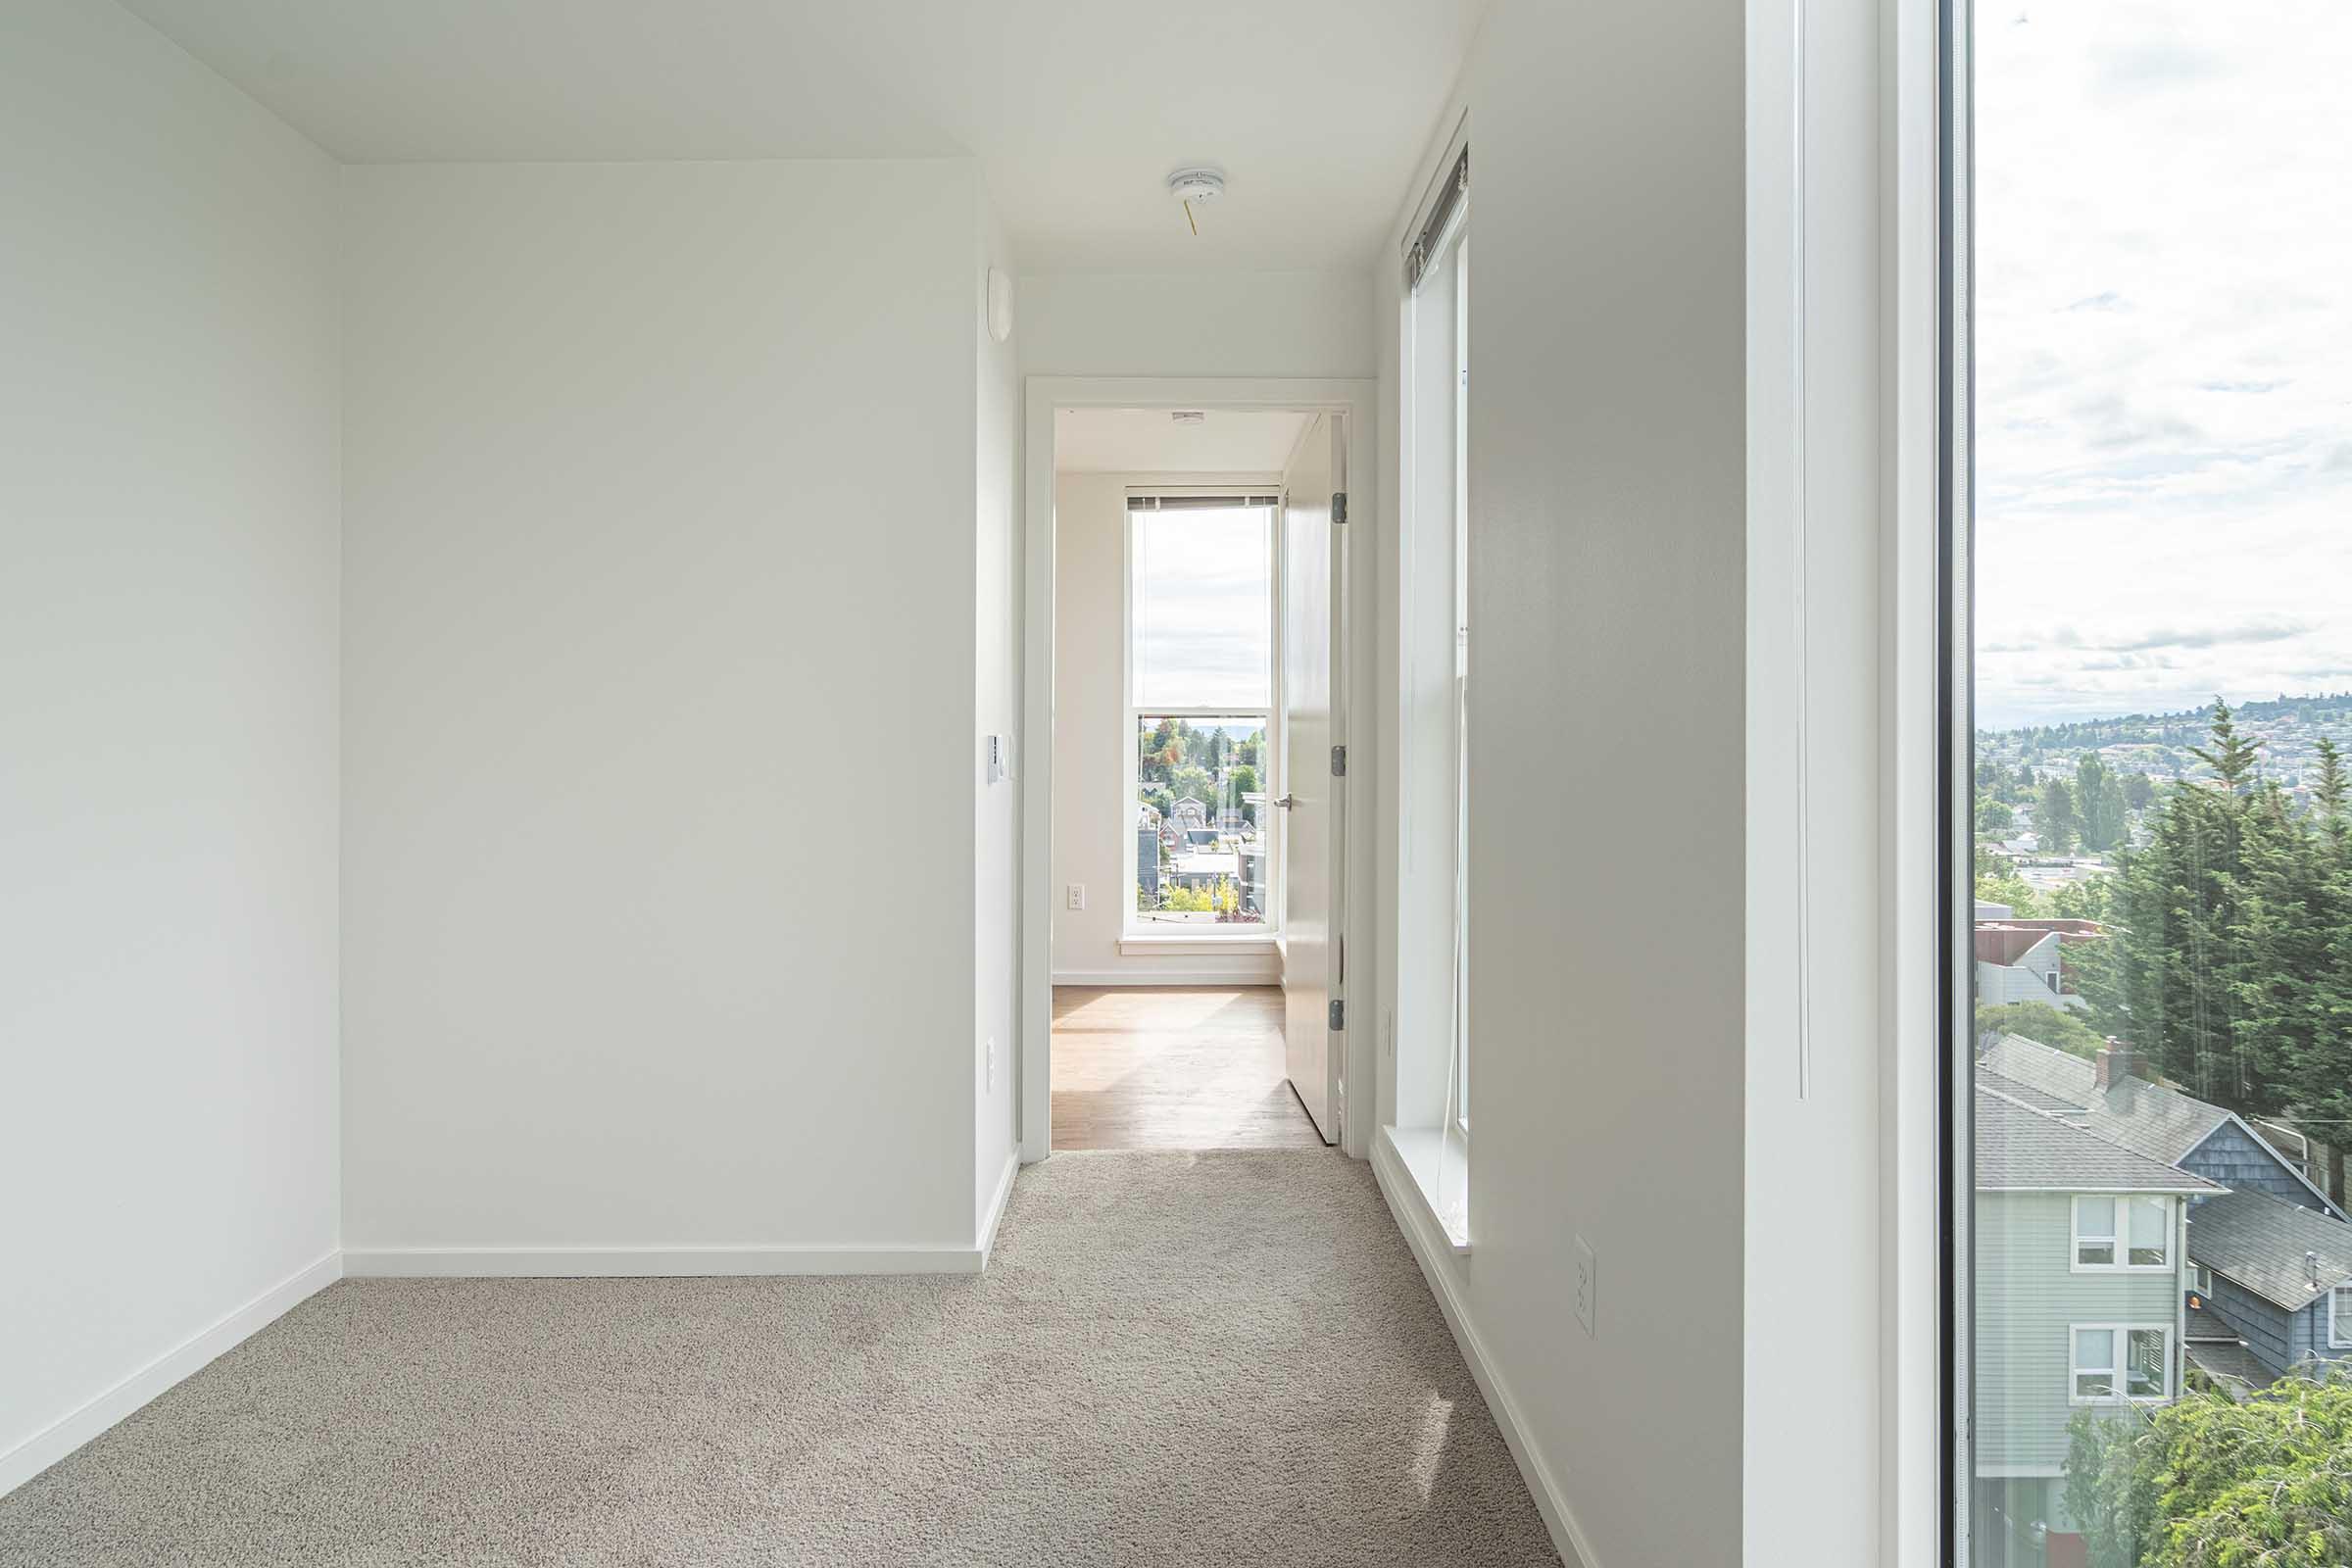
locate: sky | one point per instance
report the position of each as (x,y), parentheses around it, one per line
(1201,606)
(2164,354)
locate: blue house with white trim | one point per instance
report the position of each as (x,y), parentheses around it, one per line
(2272,1258)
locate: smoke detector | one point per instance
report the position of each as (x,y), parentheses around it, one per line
(1190,185)
(1189,416)
(1196,184)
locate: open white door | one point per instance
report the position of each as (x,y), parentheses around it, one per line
(1313,574)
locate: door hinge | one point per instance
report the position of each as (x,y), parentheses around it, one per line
(1339,1018)
(1339,761)
(1339,506)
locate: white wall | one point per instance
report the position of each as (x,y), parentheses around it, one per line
(1606,449)
(1196,324)
(168,543)
(664,529)
(1092,822)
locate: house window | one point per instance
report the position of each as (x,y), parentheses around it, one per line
(2340,1318)
(2121,1362)
(1200,700)
(2123,1233)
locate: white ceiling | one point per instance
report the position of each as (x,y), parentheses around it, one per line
(1076,109)
(1148,441)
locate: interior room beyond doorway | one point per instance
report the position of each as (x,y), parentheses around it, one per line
(1173,1067)
(1174,803)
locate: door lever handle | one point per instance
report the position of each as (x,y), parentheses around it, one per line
(1286,802)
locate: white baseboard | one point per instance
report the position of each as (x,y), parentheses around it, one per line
(1155,972)
(650,1262)
(995,1206)
(1432,1249)
(53,1442)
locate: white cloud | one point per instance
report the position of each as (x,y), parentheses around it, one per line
(2164,354)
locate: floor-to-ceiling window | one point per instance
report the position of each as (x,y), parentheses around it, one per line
(1432,1026)
(1199,709)
(2150,505)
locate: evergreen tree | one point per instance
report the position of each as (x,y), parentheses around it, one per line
(2055,825)
(2231,757)
(2098,803)
(2139,790)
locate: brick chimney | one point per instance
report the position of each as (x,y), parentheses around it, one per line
(2116,1062)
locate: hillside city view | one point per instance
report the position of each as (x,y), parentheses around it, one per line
(1200,830)
(2158,1372)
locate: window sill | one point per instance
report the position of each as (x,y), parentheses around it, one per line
(1259,945)
(1433,1163)
(2123,1269)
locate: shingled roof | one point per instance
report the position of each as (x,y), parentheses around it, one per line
(2260,1243)
(2020,1149)
(2027,1095)
(2154,1120)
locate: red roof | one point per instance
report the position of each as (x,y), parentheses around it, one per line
(2007,941)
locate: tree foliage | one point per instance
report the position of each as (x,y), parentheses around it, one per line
(2056,827)
(2233,961)
(2051,1026)
(2218,1482)
(2100,810)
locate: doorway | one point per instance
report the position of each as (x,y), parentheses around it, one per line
(1187,848)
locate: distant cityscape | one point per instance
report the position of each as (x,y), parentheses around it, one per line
(2163,971)
(1200,842)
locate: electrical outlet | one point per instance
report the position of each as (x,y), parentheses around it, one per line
(1075,893)
(1587,1284)
(991,1065)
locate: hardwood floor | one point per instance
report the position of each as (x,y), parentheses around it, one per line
(1136,1067)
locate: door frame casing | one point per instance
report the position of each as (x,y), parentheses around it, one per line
(1357,402)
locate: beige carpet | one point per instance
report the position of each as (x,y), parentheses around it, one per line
(1174,1358)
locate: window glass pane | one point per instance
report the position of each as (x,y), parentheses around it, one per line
(1201,606)
(1201,820)
(2155,445)
(2145,1376)
(2151,1226)
(2094,1231)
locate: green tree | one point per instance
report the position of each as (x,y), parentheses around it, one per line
(2231,969)
(2217,1481)
(1243,780)
(2099,805)
(1997,882)
(2231,756)
(1994,818)
(2090,898)
(2328,795)
(2139,790)
(2055,825)
(2052,1026)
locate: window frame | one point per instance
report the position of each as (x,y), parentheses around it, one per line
(2120,1240)
(1454,240)
(2339,1321)
(2122,1352)
(1447,246)
(1270,929)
